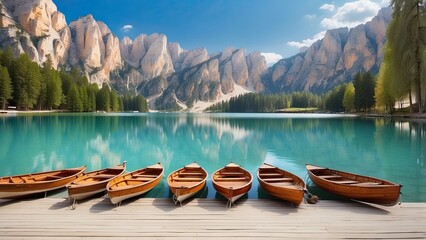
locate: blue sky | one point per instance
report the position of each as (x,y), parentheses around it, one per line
(277,28)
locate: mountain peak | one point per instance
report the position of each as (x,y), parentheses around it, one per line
(332,60)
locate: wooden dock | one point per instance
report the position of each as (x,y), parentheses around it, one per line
(51,218)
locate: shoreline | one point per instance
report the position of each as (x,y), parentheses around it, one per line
(368,115)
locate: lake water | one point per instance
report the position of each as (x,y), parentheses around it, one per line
(384,148)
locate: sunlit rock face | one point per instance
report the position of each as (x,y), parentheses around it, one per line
(95,48)
(149,54)
(172,77)
(334,59)
(217,78)
(34,27)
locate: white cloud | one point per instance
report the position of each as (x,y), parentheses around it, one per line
(126,28)
(383,3)
(272,58)
(307,42)
(328,7)
(310,16)
(352,14)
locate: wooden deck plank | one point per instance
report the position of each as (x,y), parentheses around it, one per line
(97,218)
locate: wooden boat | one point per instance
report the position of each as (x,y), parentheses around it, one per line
(27,184)
(232,182)
(281,184)
(187,181)
(134,183)
(354,186)
(93,182)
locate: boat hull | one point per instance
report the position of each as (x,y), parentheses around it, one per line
(281,184)
(93,182)
(291,194)
(182,193)
(379,191)
(186,182)
(134,184)
(232,194)
(232,182)
(85,194)
(37,182)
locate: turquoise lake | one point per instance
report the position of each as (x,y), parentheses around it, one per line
(391,149)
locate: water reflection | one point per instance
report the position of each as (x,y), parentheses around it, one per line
(384,148)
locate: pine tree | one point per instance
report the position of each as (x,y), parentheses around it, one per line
(142,105)
(84,97)
(51,86)
(7,58)
(114,102)
(54,91)
(73,99)
(364,85)
(26,82)
(91,97)
(103,99)
(334,99)
(120,105)
(5,87)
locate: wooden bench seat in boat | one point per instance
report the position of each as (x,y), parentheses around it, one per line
(28,180)
(190,174)
(123,187)
(103,176)
(145,175)
(270,174)
(278,179)
(187,179)
(231,179)
(346,182)
(15,180)
(282,183)
(330,176)
(365,184)
(232,173)
(143,179)
(286,184)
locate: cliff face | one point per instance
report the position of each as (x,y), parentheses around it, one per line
(94,48)
(197,77)
(174,78)
(36,27)
(333,60)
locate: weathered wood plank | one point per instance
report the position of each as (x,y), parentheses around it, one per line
(51,218)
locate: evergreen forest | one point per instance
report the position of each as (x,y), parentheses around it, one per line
(24,85)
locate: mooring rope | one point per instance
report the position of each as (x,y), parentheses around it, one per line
(176,196)
(73,205)
(229,203)
(309,197)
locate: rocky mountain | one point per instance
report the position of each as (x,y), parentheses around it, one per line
(173,78)
(333,60)
(169,76)
(36,27)
(224,75)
